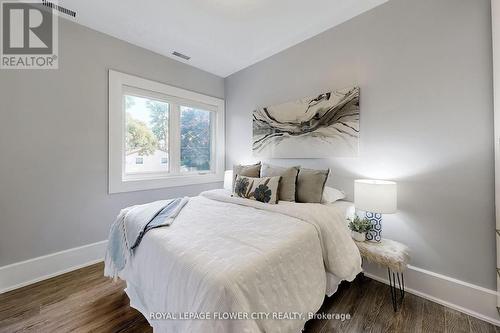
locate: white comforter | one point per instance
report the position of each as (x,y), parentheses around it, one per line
(225,254)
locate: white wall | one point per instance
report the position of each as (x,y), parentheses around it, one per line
(425,72)
(54,139)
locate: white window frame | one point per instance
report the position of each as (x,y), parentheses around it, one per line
(119,84)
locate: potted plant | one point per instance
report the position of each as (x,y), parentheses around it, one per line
(359,227)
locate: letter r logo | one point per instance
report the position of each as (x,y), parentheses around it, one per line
(26,28)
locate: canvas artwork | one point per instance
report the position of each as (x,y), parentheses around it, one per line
(316,127)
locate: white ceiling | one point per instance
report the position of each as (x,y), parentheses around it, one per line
(221,36)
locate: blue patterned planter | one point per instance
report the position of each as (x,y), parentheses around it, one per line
(376,234)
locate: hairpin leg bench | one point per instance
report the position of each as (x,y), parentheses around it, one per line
(392,255)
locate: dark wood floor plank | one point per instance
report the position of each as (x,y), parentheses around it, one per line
(409,318)
(479,326)
(85,301)
(385,317)
(433,318)
(367,318)
(66,302)
(349,305)
(456,322)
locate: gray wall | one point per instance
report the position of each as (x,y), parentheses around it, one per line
(424,68)
(54,143)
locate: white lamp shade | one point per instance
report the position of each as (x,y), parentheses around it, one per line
(376,196)
(228,180)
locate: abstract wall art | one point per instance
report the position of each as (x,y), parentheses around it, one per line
(315,127)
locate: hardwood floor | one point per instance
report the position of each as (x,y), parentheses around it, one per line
(85,301)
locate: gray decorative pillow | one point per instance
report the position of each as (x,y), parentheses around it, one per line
(260,189)
(310,185)
(252,170)
(286,190)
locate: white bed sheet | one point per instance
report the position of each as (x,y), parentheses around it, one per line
(226,255)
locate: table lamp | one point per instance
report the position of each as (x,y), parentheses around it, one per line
(375,197)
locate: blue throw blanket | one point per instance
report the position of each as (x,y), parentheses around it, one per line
(130,227)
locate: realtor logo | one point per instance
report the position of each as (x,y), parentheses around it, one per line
(29,36)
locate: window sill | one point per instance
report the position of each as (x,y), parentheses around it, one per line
(140,184)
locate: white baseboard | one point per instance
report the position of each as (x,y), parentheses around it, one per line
(476,301)
(23,273)
(462,296)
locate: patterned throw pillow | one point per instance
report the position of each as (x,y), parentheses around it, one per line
(263,189)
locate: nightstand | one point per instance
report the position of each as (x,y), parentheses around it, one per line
(395,257)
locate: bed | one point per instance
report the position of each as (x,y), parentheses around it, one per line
(230,264)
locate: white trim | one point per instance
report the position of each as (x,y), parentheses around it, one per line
(26,272)
(175,145)
(118,82)
(495,30)
(462,296)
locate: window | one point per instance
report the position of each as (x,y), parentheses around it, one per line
(146,133)
(196,141)
(162,136)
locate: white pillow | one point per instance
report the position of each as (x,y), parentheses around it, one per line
(331,195)
(228,180)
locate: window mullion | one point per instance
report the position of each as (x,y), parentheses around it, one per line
(174,139)
(213,141)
